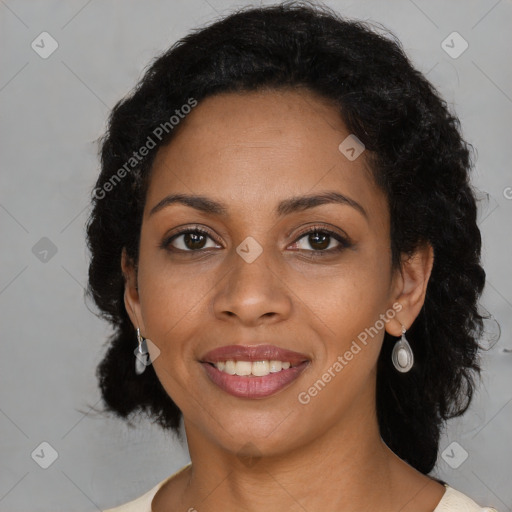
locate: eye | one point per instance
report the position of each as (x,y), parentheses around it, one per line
(189,240)
(321,240)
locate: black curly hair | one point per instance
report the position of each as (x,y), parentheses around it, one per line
(417,156)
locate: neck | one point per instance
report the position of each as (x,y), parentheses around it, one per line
(348,467)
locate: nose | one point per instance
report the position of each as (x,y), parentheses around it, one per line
(253,292)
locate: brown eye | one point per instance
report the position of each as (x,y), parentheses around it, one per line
(194,241)
(318,240)
(190,240)
(321,240)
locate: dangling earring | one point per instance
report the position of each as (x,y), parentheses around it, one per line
(141,354)
(402,355)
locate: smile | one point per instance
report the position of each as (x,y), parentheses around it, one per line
(249,384)
(253,371)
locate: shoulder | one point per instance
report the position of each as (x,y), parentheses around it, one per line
(456,501)
(143,503)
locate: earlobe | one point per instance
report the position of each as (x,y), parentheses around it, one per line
(131,294)
(411,287)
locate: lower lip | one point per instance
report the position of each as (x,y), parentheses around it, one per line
(254,387)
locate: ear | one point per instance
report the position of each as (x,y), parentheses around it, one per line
(131,292)
(410,286)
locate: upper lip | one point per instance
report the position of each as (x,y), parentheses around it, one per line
(253,353)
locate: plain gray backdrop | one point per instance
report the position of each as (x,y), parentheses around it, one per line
(53,109)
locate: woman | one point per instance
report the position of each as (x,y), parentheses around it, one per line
(284,236)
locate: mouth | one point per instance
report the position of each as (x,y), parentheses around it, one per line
(256,371)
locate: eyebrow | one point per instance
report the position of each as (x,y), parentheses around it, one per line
(285,207)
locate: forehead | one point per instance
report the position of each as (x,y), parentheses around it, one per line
(250,150)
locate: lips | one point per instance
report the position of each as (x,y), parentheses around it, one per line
(253,387)
(253,353)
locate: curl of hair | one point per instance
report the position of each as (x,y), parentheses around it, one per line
(416,154)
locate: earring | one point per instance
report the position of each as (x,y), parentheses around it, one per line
(402,355)
(141,354)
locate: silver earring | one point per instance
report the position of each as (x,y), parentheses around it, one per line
(141,354)
(402,355)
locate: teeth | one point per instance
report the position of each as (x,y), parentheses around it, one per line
(275,366)
(260,368)
(229,367)
(243,367)
(255,368)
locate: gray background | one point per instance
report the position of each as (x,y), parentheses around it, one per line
(52,112)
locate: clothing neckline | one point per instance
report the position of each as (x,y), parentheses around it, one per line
(152,493)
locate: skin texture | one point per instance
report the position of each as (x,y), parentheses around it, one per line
(250,151)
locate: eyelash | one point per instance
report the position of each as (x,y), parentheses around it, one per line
(344,243)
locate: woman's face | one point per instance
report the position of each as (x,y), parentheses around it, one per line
(258,278)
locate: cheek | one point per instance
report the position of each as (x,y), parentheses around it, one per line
(170,304)
(171,299)
(346,298)
(349,306)
(169,291)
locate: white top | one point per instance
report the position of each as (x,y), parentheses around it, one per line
(452,501)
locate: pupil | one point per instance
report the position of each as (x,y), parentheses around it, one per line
(194,239)
(323,244)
